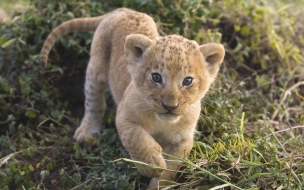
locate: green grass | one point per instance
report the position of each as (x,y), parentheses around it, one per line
(250,135)
(9,7)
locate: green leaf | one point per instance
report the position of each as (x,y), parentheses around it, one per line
(31,114)
(3,173)
(3,39)
(245,31)
(25,85)
(31,168)
(8,43)
(50,166)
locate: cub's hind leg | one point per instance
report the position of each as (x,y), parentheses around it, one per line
(95,105)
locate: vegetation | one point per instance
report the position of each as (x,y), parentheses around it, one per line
(251,132)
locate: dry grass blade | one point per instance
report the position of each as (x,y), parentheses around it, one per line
(286,94)
(284,130)
(5,159)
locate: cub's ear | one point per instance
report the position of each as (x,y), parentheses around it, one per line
(135,46)
(214,54)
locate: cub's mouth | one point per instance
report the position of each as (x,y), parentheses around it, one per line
(171,117)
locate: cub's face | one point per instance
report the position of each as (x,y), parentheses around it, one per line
(171,73)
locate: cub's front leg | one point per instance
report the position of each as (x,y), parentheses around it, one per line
(141,147)
(180,150)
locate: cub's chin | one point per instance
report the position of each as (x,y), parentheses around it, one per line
(167,117)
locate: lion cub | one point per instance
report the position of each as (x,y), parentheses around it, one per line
(157,83)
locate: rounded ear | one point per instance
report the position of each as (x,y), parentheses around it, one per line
(214,54)
(135,46)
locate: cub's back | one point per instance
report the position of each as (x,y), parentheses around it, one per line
(109,38)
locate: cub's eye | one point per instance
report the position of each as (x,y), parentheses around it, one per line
(187,81)
(156,78)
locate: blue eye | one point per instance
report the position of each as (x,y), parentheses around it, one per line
(187,81)
(156,78)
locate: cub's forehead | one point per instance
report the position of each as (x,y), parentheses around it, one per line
(175,44)
(174,51)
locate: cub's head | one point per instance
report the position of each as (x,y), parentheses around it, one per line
(171,73)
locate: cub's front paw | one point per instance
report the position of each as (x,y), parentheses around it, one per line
(84,133)
(154,159)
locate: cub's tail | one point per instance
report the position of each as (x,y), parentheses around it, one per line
(77,24)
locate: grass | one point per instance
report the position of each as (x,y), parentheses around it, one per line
(250,135)
(9,7)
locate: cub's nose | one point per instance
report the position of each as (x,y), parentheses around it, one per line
(170,107)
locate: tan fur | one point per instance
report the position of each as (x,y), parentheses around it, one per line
(78,24)
(151,117)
